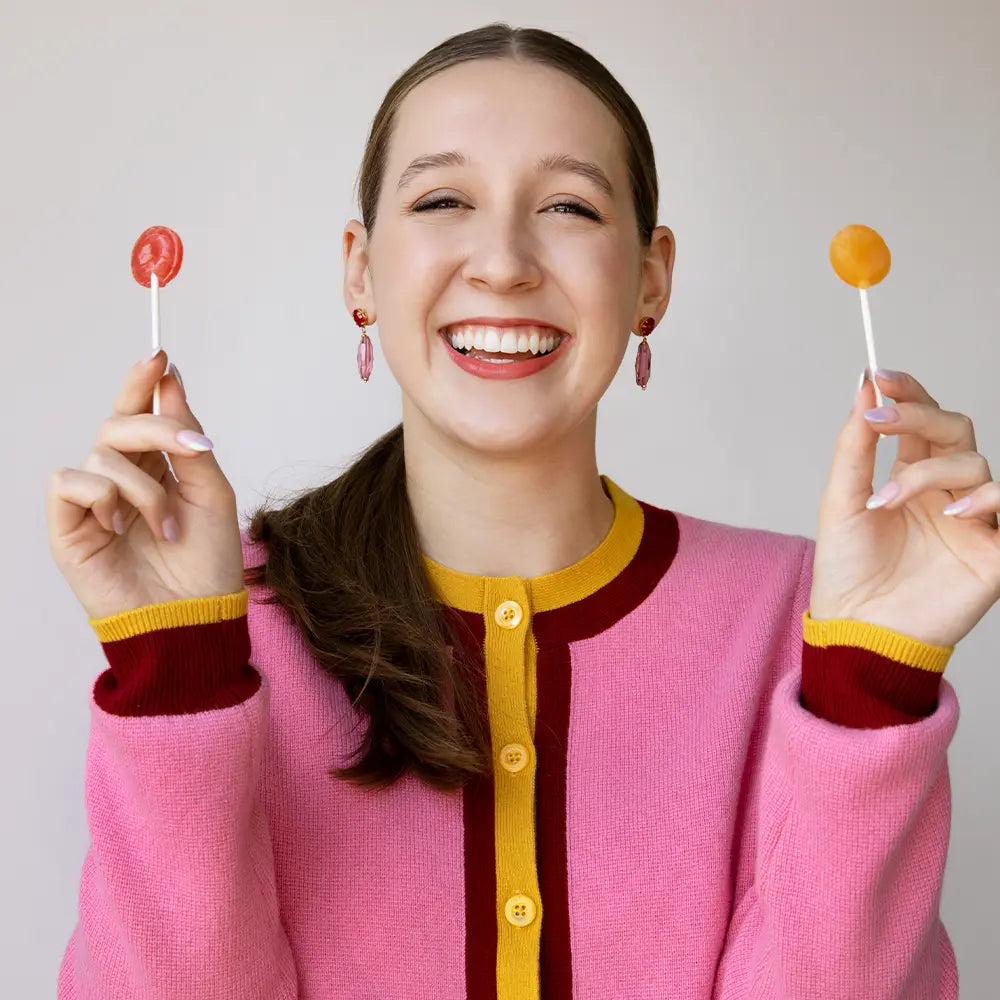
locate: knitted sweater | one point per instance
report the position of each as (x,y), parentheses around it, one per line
(698,792)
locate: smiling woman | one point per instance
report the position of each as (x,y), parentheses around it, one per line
(581,745)
(506,248)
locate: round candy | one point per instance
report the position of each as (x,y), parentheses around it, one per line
(860,256)
(158,249)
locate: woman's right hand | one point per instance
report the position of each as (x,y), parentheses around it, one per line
(127,474)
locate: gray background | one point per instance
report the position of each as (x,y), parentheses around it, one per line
(775,124)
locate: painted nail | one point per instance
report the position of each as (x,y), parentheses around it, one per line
(888,492)
(194,440)
(882,414)
(886,373)
(172,369)
(958,506)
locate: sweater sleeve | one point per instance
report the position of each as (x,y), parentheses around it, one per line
(843,835)
(177,896)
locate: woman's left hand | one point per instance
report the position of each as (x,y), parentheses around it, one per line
(908,566)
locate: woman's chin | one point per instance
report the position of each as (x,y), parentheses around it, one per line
(497,435)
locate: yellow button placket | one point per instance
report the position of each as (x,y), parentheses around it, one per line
(510,658)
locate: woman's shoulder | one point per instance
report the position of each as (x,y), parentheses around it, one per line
(254,552)
(740,546)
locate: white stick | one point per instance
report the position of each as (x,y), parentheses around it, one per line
(870,340)
(154,288)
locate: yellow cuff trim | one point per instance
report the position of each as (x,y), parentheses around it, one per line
(876,639)
(171,614)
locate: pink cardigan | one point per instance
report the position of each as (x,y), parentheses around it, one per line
(685,826)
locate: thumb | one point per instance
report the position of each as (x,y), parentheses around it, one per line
(853,468)
(197,471)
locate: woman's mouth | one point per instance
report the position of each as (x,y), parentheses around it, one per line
(496,343)
(503,352)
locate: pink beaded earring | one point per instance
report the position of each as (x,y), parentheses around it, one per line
(365,347)
(643,357)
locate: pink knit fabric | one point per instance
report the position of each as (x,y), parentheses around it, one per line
(723,842)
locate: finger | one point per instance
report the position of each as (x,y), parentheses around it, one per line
(73,494)
(134,487)
(136,396)
(924,429)
(984,503)
(959,473)
(850,481)
(198,472)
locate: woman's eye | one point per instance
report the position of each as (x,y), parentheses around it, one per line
(582,209)
(438,202)
(434,203)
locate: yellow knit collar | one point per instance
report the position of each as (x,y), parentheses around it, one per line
(466,591)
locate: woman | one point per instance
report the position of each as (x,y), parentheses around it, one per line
(585,746)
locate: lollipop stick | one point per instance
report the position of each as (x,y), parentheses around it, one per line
(154,288)
(870,340)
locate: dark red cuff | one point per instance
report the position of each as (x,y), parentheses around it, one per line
(855,687)
(174,671)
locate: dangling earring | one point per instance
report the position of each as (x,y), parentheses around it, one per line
(365,347)
(643,357)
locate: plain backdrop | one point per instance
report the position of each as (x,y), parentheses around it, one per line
(775,124)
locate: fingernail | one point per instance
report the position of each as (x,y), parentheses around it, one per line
(118,523)
(882,414)
(192,439)
(155,354)
(886,373)
(171,529)
(958,506)
(888,492)
(172,369)
(861,380)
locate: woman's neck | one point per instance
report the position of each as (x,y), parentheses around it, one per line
(489,515)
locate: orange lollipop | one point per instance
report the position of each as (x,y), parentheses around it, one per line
(861,258)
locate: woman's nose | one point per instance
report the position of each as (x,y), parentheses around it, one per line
(502,260)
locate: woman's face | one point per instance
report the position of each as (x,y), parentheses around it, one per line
(503,242)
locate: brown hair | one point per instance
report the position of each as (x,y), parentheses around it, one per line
(345,559)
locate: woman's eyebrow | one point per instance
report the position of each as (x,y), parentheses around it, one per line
(554,161)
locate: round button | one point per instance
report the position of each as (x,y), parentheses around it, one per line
(513,757)
(509,614)
(520,910)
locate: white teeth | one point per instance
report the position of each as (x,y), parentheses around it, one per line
(503,340)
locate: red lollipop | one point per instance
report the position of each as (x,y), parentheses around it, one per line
(158,250)
(156,259)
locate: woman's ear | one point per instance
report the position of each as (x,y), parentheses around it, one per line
(358,291)
(657,274)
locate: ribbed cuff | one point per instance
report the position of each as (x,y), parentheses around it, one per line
(858,688)
(178,670)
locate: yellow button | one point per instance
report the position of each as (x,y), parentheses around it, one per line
(513,757)
(520,910)
(509,614)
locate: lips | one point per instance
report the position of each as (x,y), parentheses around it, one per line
(512,367)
